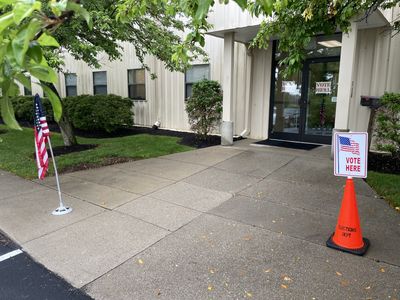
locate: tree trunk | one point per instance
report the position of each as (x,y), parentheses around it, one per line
(66,129)
(67,132)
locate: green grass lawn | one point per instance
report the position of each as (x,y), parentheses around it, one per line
(386,185)
(17,150)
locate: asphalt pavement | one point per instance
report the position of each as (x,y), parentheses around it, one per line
(23,278)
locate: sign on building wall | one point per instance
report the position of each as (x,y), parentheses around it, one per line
(351,152)
(323,87)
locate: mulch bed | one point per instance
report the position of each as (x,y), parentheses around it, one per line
(384,162)
(60,150)
(187,138)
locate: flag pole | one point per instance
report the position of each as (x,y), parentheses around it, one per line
(62,209)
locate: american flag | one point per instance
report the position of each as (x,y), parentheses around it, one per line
(348,145)
(41,133)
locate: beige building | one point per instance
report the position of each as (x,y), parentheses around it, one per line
(258,103)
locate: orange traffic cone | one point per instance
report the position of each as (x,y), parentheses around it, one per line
(348,236)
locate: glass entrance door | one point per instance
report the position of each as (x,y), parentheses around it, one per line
(319,101)
(304,104)
(287,105)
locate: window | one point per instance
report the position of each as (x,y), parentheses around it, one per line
(28,91)
(136,84)
(100,83)
(194,74)
(70,84)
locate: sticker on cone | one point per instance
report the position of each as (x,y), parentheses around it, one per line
(348,235)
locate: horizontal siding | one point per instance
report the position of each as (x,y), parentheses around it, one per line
(165,94)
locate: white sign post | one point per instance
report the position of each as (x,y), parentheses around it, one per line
(351,153)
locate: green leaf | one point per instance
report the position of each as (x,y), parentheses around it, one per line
(58,7)
(267,6)
(6,20)
(202,9)
(201,40)
(55,102)
(6,2)
(43,73)
(20,43)
(80,11)
(242,3)
(35,52)
(24,9)
(46,40)
(7,111)
(24,80)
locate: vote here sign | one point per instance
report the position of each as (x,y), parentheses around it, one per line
(351,153)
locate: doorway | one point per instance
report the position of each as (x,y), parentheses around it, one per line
(303,105)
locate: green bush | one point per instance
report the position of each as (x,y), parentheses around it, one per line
(204,108)
(100,112)
(23,108)
(388,121)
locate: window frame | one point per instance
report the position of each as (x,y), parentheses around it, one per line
(136,84)
(191,83)
(67,85)
(99,85)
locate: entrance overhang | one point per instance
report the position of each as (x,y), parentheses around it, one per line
(246,34)
(374,20)
(242,34)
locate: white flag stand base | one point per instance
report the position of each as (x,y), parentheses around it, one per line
(62,210)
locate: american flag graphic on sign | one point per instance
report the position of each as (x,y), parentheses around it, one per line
(41,133)
(348,145)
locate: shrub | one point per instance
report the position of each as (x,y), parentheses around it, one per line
(204,108)
(99,112)
(388,121)
(23,108)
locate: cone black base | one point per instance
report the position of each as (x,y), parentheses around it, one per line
(360,251)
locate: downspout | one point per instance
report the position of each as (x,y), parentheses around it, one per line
(247,110)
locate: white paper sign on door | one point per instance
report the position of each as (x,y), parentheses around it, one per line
(351,153)
(323,87)
(289,87)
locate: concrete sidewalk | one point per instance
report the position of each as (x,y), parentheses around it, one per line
(216,223)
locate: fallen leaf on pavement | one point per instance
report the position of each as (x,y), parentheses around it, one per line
(286,278)
(210,288)
(140,262)
(267,271)
(382,270)
(249,294)
(248,237)
(284,286)
(368,288)
(345,282)
(338,274)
